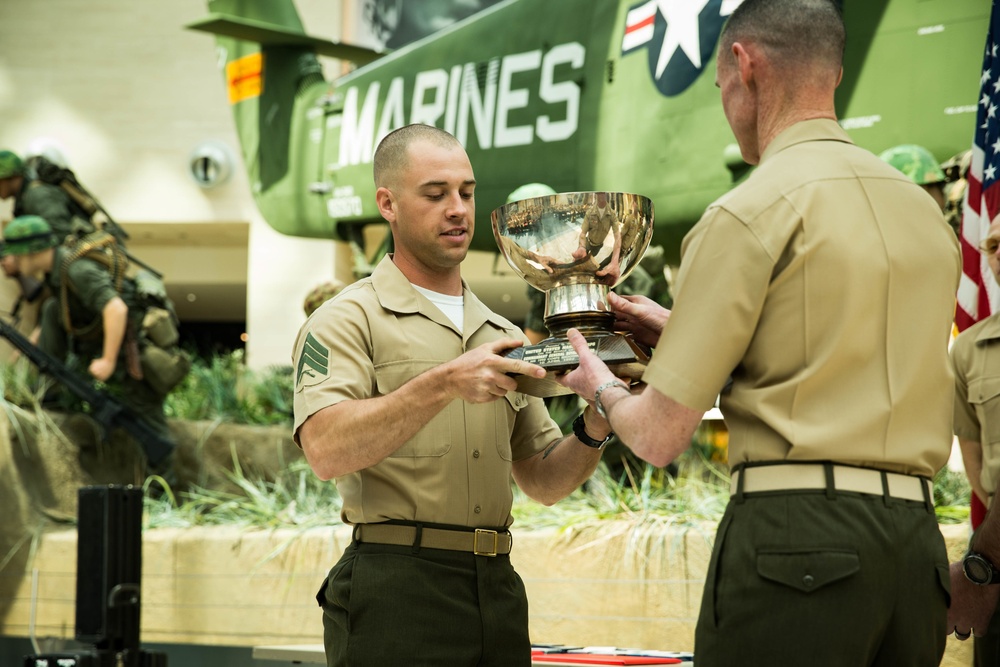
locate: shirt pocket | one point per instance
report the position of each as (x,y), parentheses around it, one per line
(984,396)
(506,415)
(435,438)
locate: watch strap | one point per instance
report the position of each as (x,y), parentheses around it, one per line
(580,431)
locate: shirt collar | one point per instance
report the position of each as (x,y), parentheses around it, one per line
(395,293)
(990,329)
(817,129)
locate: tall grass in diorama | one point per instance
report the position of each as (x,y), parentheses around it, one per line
(624,489)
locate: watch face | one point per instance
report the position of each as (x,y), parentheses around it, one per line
(977,569)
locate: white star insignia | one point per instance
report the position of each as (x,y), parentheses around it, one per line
(992,111)
(682,31)
(996,146)
(996,85)
(990,173)
(986,98)
(987,75)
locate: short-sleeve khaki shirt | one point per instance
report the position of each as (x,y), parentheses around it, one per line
(975,356)
(817,297)
(368,341)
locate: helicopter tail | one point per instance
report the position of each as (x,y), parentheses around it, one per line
(270,67)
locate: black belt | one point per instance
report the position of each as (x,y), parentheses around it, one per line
(479,541)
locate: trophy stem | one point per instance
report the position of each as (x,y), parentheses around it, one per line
(580,305)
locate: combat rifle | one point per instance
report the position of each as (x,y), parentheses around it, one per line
(107,410)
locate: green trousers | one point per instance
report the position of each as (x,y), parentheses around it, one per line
(823,580)
(387,605)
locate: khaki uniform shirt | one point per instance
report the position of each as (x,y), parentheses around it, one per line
(824,288)
(976,358)
(368,341)
(597,224)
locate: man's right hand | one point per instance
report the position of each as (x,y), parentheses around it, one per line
(640,316)
(481,374)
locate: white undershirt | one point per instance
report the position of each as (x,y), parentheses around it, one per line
(453,307)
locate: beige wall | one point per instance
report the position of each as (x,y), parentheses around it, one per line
(127,94)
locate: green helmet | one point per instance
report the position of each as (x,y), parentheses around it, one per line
(10,165)
(27,234)
(916,162)
(530,191)
(320,295)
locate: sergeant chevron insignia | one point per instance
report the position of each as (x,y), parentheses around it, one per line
(314,362)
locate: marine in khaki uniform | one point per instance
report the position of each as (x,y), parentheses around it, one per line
(975,356)
(402,396)
(816,298)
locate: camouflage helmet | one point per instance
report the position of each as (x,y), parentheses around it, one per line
(529,191)
(320,295)
(10,164)
(27,234)
(916,162)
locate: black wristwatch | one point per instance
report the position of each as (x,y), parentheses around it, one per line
(580,431)
(979,570)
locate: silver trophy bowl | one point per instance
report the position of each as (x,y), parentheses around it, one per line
(575,247)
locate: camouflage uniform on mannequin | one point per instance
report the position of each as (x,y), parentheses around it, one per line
(956,172)
(122,327)
(35,197)
(920,166)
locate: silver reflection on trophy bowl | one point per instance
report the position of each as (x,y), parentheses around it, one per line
(575,247)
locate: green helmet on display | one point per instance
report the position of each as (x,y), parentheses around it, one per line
(529,191)
(320,295)
(916,162)
(27,234)
(10,164)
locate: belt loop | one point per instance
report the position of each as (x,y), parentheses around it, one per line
(418,534)
(928,501)
(355,532)
(886,498)
(740,470)
(831,485)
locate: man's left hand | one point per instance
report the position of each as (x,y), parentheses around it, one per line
(971,606)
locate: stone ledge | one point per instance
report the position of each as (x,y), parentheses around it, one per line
(241,587)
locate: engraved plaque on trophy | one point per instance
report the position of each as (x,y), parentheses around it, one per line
(575,247)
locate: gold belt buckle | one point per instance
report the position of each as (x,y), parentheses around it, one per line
(485,534)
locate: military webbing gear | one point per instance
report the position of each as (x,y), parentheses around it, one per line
(10,165)
(28,234)
(49,172)
(102,248)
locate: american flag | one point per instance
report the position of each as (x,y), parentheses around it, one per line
(978,293)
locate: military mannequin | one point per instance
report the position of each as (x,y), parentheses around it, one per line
(920,166)
(124,332)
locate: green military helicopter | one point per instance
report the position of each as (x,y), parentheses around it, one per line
(614,95)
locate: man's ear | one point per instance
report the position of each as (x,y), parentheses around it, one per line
(744,65)
(386,202)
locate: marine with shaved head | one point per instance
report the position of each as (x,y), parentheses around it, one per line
(815,301)
(403,398)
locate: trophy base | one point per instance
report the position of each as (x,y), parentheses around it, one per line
(619,351)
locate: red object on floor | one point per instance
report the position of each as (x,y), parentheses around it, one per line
(592,659)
